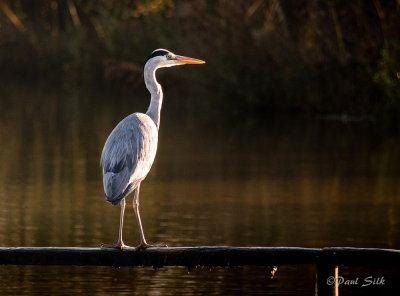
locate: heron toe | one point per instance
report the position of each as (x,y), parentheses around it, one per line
(120,245)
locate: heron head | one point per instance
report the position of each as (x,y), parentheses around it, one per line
(164,58)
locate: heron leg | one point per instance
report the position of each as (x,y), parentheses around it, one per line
(143,243)
(120,244)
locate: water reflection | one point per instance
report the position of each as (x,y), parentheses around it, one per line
(34,280)
(281,183)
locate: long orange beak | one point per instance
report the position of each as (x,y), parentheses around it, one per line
(187,60)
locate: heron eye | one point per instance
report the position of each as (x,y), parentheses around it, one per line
(169,57)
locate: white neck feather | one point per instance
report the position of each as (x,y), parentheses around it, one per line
(155,90)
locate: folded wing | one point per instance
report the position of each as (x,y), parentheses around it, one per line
(128,155)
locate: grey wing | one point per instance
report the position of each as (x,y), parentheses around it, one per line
(119,159)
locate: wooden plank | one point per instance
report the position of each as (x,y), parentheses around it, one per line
(158,257)
(361,257)
(201,255)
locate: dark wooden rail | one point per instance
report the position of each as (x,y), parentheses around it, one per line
(205,256)
(159,257)
(327,260)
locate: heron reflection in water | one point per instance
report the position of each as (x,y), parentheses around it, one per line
(130,149)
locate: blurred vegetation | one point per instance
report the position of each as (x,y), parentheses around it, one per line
(300,56)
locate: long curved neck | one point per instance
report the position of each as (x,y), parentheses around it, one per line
(155,90)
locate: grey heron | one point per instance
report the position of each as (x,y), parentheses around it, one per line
(130,149)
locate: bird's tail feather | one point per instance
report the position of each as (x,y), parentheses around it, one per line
(113,189)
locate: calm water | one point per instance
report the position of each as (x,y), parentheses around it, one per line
(283,182)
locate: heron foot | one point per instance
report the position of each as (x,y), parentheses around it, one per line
(118,245)
(144,246)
